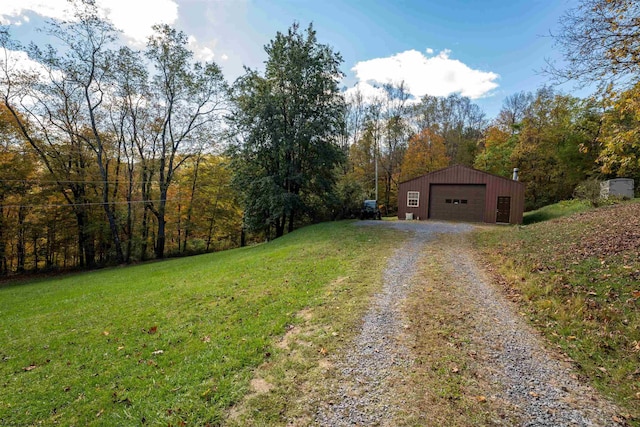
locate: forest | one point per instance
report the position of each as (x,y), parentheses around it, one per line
(111,155)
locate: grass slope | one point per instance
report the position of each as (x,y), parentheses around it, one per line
(173,342)
(578,280)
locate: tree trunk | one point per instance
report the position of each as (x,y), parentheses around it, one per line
(3,261)
(21,243)
(86,245)
(280,223)
(145,234)
(160,238)
(187,228)
(290,228)
(160,215)
(35,252)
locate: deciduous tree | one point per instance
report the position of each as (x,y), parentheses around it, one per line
(600,42)
(425,153)
(287,122)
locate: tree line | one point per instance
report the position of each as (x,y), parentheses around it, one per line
(113,155)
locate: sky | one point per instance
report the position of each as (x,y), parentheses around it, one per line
(483,49)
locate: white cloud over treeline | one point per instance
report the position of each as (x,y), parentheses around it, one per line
(425,74)
(134,17)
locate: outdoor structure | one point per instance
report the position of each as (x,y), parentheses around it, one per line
(619,187)
(460,193)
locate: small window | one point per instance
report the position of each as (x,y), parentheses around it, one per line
(464,202)
(456,201)
(447,201)
(413,199)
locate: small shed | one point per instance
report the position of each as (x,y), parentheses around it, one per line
(619,187)
(461,193)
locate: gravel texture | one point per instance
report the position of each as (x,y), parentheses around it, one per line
(535,385)
(362,398)
(541,388)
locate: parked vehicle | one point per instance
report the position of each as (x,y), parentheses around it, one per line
(370,210)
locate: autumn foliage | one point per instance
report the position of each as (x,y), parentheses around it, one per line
(425,153)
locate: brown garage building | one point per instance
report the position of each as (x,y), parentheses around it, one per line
(460,193)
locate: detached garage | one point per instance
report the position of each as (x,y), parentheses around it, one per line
(460,193)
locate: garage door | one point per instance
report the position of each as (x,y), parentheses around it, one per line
(457,202)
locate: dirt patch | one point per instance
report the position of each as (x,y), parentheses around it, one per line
(259,386)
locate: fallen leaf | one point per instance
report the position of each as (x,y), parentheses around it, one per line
(100,412)
(323,351)
(29,368)
(600,368)
(455,370)
(105,333)
(120,347)
(152,330)
(206,338)
(157,352)
(481,399)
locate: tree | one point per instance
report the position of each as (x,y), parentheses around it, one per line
(457,120)
(63,107)
(620,137)
(394,139)
(501,137)
(600,42)
(188,97)
(550,149)
(286,123)
(514,110)
(426,153)
(495,157)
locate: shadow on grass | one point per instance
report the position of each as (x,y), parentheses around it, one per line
(557,210)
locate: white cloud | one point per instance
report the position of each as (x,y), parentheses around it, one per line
(429,51)
(437,75)
(134,18)
(366,90)
(56,9)
(224,57)
(201,52)
(18,61)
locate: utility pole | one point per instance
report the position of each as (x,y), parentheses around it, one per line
(375,159)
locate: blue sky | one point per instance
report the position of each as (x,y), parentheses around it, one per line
(484,49)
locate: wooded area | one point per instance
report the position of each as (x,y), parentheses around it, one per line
(112,155)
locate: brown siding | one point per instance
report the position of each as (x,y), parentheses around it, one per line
(496,186)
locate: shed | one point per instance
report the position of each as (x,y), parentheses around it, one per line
(461,193)
(619,187)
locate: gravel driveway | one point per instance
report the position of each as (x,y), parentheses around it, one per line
(538,388)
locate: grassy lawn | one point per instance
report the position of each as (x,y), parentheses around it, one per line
(173,342)
(578,280)
(558,210)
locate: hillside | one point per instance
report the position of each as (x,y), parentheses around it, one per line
(175,342)
(577,279)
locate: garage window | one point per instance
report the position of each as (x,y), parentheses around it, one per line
(413,199)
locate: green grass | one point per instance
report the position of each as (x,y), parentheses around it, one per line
(578,281)
(557,210)
(166,343)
